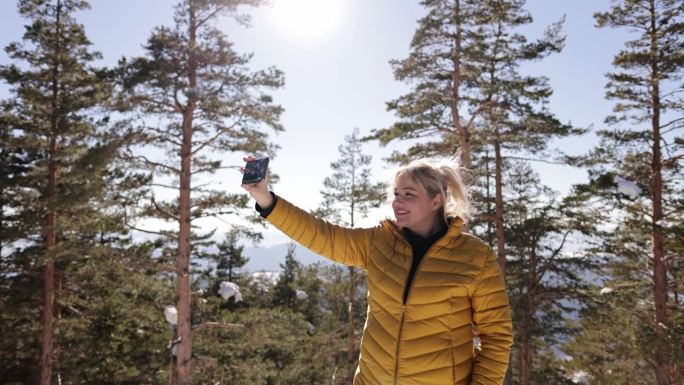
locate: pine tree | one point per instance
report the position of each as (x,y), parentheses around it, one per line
(546,271)
(204,100)
(226,262)
(57,92)
(438,65)
(284,292)
(641,156)
(16,358)
(349,193)
(15,163)
(230,256)
(465,57)
(114,331)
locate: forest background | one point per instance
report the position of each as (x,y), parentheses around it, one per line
(119,170)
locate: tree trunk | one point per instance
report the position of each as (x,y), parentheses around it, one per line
(183,295)
(499,219)
(46,356)
(350,324)
(528,319)
(498,204)
(463,131)
(488,194)
(662,361)
(352,290)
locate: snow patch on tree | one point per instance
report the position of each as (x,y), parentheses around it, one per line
(301,295)
(171,315)
(627,187)
(606,290)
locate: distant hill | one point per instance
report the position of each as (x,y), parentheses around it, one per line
(270,258)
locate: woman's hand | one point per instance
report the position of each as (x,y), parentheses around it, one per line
(258,191)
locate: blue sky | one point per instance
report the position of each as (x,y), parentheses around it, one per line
(342,79)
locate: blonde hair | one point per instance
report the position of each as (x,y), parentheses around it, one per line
(444,177)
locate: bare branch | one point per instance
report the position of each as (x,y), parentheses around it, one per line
(130,226)
(219,8)
(163,210)
(220,132)
(672,159)
(537,160)
(163,185)
(215,214)
(550,260)
(207,169)
(156,164)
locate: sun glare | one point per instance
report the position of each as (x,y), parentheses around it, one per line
(308,18)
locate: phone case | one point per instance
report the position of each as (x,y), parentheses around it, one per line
(255,171)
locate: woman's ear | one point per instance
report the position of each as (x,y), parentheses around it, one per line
(437,202)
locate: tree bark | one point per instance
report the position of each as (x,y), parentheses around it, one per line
(528,319)
(350,323)
(352,290)
(183,295)
(498,203)
(463,131)
(662,360)
(499,219)
(46,356)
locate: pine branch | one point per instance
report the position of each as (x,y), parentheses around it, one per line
(132,227)
(169,236)
(219,9)
(155,164)
(137,266)
(672,159)
(210,169)
(537,160)
(214,214)
(675,211)
(220,132)
(163,210)
(550,260)
(163,136)
(672,122)
(164,186)
(153,100)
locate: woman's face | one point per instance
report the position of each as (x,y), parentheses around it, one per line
(413,208)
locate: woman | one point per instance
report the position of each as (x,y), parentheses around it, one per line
(431,288)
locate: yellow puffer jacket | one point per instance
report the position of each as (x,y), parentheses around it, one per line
(458,289)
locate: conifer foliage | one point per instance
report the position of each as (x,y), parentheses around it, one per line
(92,158)
(197,96)
(636,172)
(349,194)
(53,123)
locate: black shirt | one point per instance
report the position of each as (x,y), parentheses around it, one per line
(419,246)
(265,211)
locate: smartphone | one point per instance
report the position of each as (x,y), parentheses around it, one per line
(255,171)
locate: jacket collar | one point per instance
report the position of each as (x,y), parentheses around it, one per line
(453,231)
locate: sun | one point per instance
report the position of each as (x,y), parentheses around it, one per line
(308,18)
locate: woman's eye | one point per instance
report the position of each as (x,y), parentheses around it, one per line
(404,196)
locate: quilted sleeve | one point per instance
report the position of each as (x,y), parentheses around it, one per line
(340,244)
(492,324)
